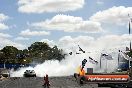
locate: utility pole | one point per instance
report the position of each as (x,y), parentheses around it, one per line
(130,32)
(119,58)
(130,19)
(100,60)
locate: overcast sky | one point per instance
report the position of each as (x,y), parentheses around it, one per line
(100,23)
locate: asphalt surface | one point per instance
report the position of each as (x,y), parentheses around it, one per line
(37,82)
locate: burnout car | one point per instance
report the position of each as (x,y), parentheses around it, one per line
(4,72)
(29,73)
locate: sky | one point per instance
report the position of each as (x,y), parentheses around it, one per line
(93,24)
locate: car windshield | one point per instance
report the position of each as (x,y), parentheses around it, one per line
(4,71)
(30,71)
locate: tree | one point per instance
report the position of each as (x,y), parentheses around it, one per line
(39,51)
(9,54)
(56,53)
(23,56)
(1,57)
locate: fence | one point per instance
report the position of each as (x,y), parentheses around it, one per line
(15,66)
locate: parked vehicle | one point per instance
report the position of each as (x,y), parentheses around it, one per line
(4,72)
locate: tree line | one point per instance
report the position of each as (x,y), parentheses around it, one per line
(38,52)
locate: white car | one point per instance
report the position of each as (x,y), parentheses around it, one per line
(4,73)
(29,73)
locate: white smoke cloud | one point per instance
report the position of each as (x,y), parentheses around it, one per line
(55,68)
(93,47)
